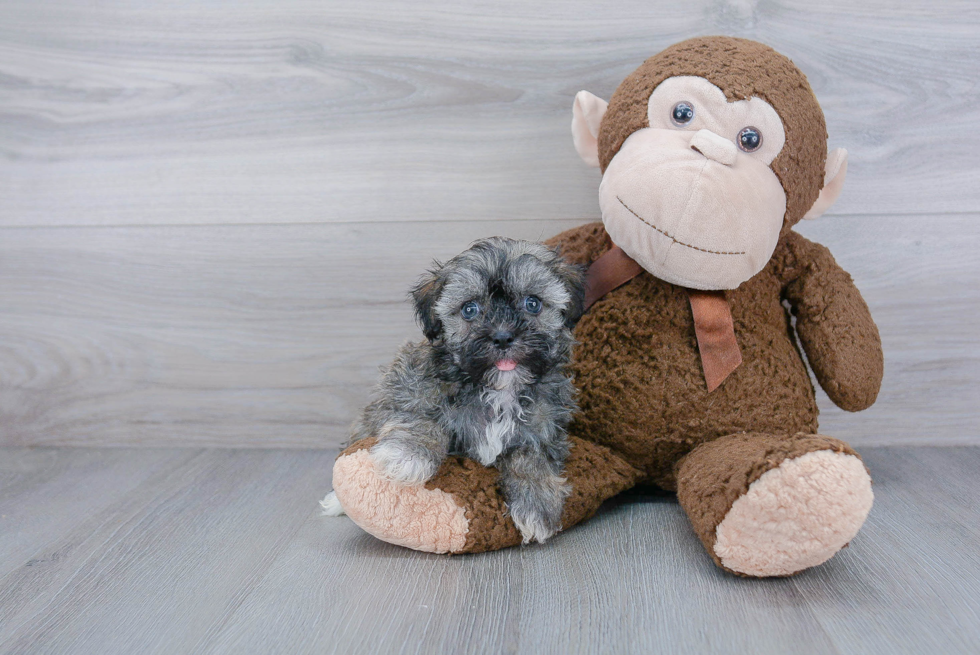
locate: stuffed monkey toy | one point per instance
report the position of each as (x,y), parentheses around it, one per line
(690,364)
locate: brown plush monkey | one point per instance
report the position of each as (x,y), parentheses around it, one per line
(689,364)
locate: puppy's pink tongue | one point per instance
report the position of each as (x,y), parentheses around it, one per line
(506,365)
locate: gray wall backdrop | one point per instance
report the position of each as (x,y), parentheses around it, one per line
(210,212)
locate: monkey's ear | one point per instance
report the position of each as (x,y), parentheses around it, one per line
(833,183)
(587,112)
(426,294)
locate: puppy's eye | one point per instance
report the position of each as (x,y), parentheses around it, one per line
(470,310)
(532,305)
(749,139)
(682,113)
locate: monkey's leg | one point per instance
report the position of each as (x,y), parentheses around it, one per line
(773,505)
(461,509)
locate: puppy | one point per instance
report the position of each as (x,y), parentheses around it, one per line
(490,381)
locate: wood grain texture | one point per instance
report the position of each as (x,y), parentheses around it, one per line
(264,335)
(209,213)
(273,335)
(45,493)
(121,113)
(225,555)
(153,572)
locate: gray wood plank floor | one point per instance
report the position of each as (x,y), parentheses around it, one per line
(222,551)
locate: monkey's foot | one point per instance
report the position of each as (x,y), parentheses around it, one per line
(795,501)
(413,516)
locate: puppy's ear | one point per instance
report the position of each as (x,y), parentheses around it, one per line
(573,276)
(425,294)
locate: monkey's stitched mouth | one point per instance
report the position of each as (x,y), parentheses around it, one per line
(671,237)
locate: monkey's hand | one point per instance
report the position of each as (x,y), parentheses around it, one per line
(834,324)
(408,454)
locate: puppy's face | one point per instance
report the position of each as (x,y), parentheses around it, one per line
(502,310)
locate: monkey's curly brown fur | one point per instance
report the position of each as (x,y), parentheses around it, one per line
(639,372)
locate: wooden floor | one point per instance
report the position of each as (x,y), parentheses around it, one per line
(223,551)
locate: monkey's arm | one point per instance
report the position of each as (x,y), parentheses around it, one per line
(834,324)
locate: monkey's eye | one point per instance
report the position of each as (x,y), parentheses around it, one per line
(470,310)
(749,139)
(682,113)
(532,305)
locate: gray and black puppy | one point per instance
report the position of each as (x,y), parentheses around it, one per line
(490,383)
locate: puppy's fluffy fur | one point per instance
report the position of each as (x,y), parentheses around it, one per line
(454,394)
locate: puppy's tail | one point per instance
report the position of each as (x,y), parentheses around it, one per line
(331,506)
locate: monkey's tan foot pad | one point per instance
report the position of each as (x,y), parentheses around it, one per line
(796,515)
(412,516)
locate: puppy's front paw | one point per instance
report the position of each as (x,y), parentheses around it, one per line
(537,513)
(534,526)
(399,460)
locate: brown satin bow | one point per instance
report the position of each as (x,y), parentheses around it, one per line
(713,324)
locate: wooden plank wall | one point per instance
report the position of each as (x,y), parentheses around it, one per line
(210,211)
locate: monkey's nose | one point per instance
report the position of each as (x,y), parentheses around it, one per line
(714,147)
(503,338)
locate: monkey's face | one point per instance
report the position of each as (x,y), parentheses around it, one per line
(710,150)
(692,197)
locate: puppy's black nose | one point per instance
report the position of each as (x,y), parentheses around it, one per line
(503,338)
